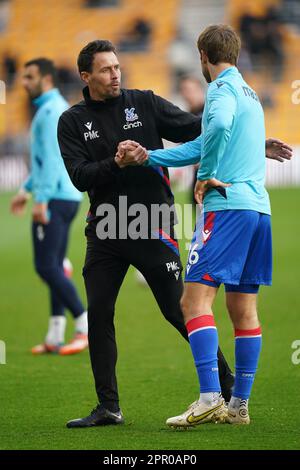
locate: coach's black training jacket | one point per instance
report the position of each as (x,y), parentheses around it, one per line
(90,131)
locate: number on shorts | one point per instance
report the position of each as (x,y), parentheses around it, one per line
(194,256)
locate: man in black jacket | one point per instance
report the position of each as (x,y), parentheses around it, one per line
(88,135)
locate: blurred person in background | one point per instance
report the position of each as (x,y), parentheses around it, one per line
(274,42)
(262,38)
(10,67)
(137,38)
(192,92)
(56,203)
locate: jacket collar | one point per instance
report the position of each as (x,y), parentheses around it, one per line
(99,104)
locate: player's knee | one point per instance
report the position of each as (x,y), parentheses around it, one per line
(246,323)
(243,318)
(100,312)
(47,273)
(192,308)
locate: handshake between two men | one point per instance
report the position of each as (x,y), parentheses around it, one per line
(130,153)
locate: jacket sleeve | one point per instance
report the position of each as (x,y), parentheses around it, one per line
(221,110)
(183,155)
(174,124)
(83,173)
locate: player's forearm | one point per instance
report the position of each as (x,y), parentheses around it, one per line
(183,155)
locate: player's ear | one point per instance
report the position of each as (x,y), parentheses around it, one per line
(85,76)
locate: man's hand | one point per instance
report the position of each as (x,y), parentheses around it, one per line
(39,213)
(202,187)
(130,153)
(278,150)
(124,146)
(18,203)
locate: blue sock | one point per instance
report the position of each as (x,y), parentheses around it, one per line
(203,338)
(247,350)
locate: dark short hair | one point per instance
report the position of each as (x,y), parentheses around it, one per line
(45,66)
(220,43)
(86,55)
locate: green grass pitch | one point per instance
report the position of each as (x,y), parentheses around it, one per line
(155,370)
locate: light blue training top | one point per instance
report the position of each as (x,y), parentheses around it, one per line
(231,147)
(48,178)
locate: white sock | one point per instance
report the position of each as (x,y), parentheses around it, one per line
(56,330)
(210,398)
(81,324)
(235,402)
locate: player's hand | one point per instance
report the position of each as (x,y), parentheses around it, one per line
(124,146)
(202,187)
(278,150)
(18,203)
(134,155)
(39,213)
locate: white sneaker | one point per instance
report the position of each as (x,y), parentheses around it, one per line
(200,413)
(238,415)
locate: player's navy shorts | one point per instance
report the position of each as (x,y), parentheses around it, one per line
(233,247)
